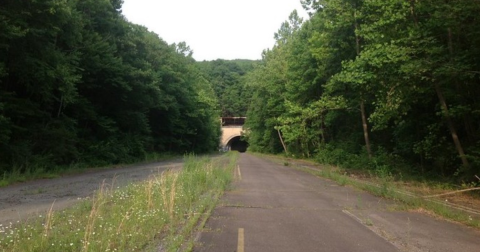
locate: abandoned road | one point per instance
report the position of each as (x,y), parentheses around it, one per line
(273,207)
(28,200)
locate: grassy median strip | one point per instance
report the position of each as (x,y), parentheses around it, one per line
(158,214)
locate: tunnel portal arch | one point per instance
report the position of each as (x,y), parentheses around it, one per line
(232,128)
(236,143)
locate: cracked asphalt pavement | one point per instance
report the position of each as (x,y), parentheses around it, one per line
(278,208)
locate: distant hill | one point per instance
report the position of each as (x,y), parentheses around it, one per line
(228,80)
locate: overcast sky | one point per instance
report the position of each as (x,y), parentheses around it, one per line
(214,29)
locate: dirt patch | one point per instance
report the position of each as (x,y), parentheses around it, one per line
(27,200)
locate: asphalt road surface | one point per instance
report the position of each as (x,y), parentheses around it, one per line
(273,207)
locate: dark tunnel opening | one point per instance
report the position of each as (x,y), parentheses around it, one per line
(237,144)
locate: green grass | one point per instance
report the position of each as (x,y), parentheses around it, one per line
(163,211)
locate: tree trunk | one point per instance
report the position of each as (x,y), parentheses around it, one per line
(362,103)
(441,98)
(59,112)
(281,140)
(451,127)
(412,11)
(365,129)
(322,131)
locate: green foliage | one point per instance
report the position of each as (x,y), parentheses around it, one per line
(162,210)
(79,83)
(411,65)
(228,78)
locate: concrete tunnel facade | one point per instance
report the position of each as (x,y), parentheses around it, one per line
(232,128)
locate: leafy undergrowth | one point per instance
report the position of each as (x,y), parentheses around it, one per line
(162,212)
(435,198)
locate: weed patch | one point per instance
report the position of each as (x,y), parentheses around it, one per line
(160,212)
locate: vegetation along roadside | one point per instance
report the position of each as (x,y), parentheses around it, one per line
(383,91)
(160,213)
(440,199)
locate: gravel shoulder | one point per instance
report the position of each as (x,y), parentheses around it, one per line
(20,202)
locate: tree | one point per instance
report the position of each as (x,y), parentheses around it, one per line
(392,62)
(80,84)
(230,84)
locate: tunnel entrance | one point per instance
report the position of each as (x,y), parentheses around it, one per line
(237,144)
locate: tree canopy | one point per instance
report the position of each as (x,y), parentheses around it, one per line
(81,84)
(229,82)
(384,81)
(363,83)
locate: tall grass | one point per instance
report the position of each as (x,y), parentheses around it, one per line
(159,213)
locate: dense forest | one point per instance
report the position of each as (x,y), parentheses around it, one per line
(228,78)
(390,84)
(79,84)
(387,85)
